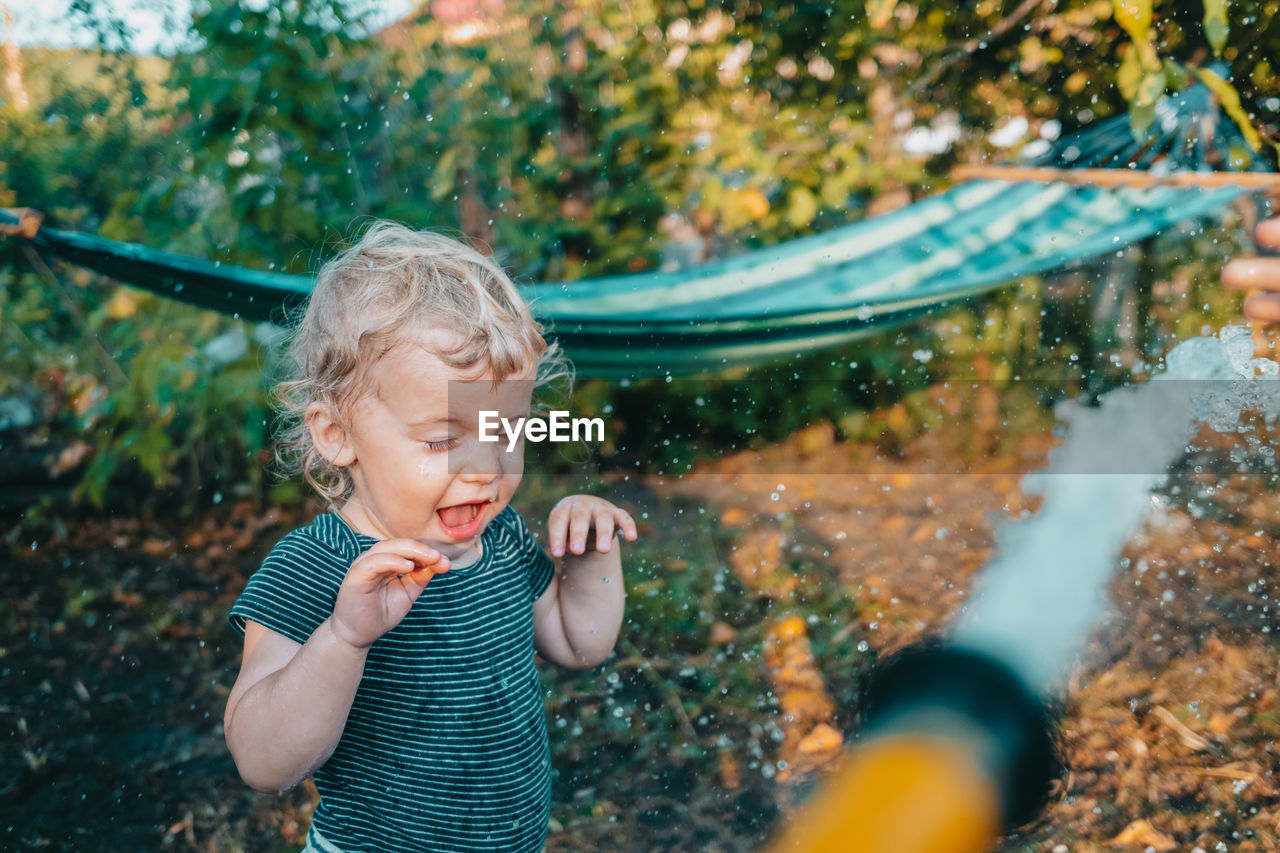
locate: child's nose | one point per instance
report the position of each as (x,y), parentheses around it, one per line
(477,461)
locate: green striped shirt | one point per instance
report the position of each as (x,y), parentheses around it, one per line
(446,746)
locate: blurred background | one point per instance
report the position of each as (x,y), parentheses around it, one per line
(796,525)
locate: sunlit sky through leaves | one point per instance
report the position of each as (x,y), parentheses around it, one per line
(155,26)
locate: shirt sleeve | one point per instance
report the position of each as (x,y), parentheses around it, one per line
(294,591)
(540,565)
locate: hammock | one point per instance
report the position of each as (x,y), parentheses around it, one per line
(832,287)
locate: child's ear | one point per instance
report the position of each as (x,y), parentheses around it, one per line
(328,436)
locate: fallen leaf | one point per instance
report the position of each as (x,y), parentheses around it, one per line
(1189,739)
(1142,832)
(816,439)
(1220,723)
(722,633)
(730,773)
(925,532)
(823,738)
(788,630)
(806,704)
(156,547)
(71,456)
(128,599)
(89,393)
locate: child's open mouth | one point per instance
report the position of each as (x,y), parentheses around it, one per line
(462,521)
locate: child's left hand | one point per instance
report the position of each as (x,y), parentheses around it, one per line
(573,518)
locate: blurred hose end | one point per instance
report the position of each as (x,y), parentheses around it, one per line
(955,750)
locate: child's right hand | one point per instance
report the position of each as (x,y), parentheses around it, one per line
(381,586)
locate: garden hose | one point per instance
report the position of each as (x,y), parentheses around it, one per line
(955,751)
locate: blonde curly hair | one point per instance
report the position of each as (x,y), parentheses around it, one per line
(365,298)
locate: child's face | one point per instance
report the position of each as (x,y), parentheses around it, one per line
(419,470)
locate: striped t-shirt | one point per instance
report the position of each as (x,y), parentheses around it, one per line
(446,746)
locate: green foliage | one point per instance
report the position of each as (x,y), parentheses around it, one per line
(572,138)
(1169,46)
(185,417)
(565,137)
(128,373)
(278,118)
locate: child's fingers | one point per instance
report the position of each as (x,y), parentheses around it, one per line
(1263,307)
(558,525)
(1268,233)
(1261,278)
(373,570)
(604,524)
(399,574)
(1252,274)
(380,568)
(626,524)
(580,518)
(569,525)
(422,556)
(610,520)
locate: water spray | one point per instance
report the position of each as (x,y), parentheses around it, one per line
(956,746)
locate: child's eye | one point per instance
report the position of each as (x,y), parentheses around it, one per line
(447,444)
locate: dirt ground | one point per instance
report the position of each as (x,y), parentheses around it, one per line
(1170,718)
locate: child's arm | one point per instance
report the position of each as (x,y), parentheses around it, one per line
(289,705)
(576,620)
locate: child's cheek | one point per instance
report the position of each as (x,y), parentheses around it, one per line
(512,472)
(435,465)
(512,464)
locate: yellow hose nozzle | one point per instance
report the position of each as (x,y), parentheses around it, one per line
(902,794)
(956,750)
